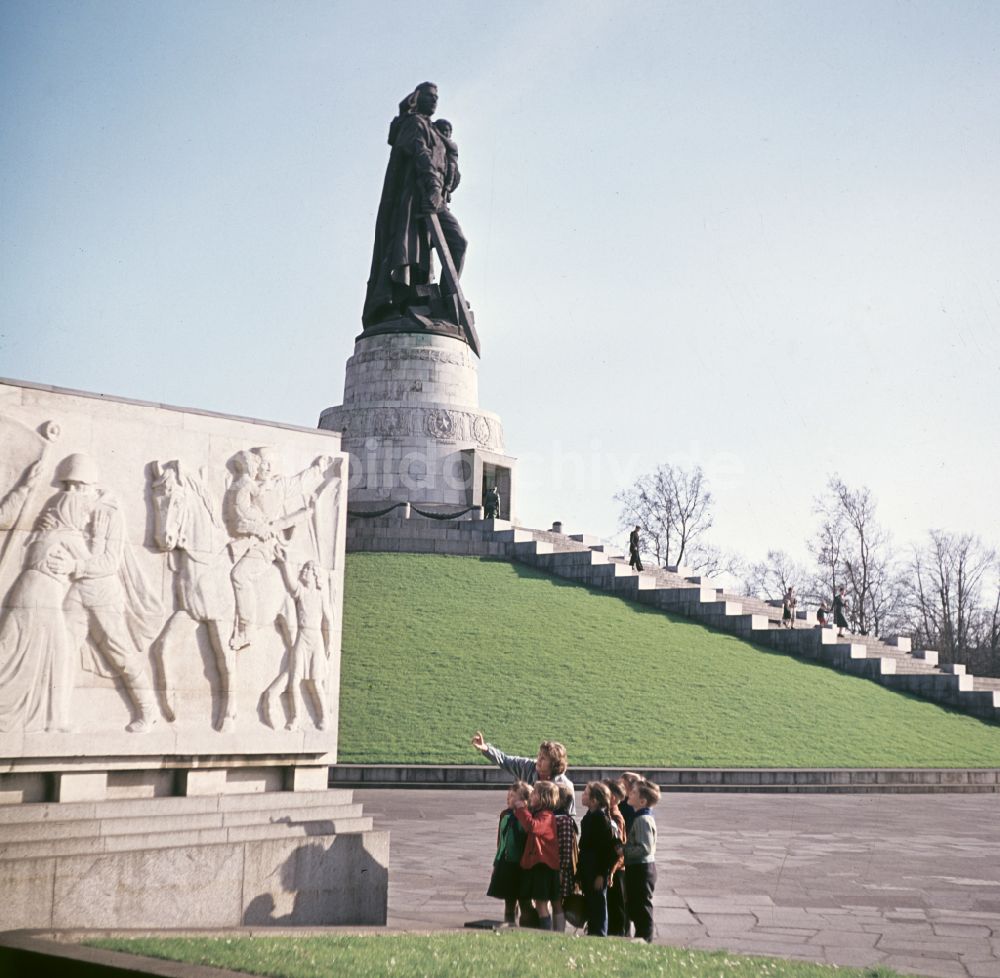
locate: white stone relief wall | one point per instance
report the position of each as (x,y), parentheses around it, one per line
(170,580)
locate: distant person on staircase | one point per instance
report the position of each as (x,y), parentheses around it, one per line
(788,607)
(839,609)
(633,549)
(821,613)
(549,765)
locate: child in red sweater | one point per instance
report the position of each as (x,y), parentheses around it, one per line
(540,860)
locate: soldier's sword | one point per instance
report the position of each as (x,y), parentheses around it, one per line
(450,275)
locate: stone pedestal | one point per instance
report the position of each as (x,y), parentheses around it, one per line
(413,428)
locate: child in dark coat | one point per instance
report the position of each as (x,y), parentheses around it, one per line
(598,854)
(617,917)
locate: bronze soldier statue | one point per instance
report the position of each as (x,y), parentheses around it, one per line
(413,217)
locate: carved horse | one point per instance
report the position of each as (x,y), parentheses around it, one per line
(188,526)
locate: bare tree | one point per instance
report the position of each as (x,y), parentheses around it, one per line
(772,577)
(954,611)
(672,508)
(712,561)
(852,549)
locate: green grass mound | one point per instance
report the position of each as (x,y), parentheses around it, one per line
(479,955)
(436,647)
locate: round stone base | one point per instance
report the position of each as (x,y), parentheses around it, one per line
(413,427)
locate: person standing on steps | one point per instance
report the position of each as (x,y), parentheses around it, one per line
(491,504)
(839,609)
(634,559)
(788,607)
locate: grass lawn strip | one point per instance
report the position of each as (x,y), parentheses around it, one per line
(436,647)
(509,954)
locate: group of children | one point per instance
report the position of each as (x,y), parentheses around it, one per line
(543,860)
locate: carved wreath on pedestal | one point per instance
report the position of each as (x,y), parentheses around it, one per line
(440,424)
(481,430)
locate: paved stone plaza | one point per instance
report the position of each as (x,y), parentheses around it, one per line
(908,881)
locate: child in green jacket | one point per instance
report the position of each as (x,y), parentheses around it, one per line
(505,883)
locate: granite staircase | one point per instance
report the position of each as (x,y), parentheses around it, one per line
(193,861)
(587,561)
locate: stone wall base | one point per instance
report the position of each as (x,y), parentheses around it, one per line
(292,858)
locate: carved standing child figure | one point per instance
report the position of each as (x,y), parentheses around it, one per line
(309,654)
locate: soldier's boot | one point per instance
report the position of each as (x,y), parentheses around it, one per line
(146,706)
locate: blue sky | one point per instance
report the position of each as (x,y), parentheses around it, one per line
(759,237)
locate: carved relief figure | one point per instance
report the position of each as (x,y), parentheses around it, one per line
(264,509)
(80,581)
(206,551)
(34,646)
(187,524)
(13,502)
(307,665)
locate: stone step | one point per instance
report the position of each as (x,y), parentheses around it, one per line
(95,844)
(631,585)
(675,597)
(190,804)
(679,590)
(746,624)
(532,547)
(613,552)
(582,558)
(513,536)
(29,830)
(720,608)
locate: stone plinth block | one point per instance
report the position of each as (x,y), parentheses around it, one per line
(170,582)
(320,879)
(414,430)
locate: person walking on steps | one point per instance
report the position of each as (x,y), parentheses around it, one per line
(788,610)
(633,549)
